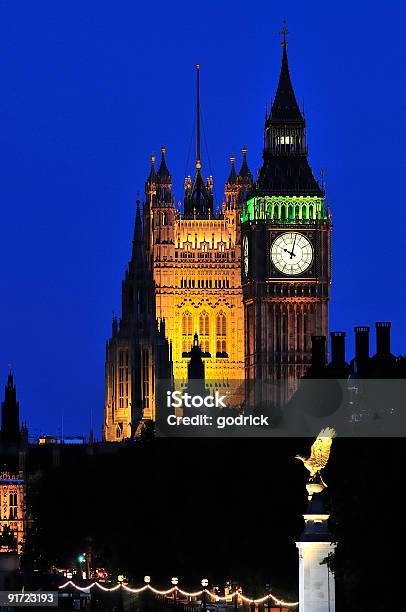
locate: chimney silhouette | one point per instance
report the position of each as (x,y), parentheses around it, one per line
(361,344)
(383,337)
(318,352)
(337,348)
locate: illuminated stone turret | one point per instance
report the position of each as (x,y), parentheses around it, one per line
(138,353)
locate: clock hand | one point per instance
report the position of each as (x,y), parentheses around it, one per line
(293,246)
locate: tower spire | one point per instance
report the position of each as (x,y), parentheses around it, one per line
(198,160)
(163,172)
(245,172)
(10,413)
(137,252)
(285,139)
(285,106)
(152,174)
(233,176)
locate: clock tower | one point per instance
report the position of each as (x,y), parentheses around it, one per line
(286,253)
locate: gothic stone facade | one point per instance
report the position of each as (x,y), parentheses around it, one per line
(12,506)
(196,263)
(252,280)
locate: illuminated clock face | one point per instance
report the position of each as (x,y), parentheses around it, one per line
(245,255)
(291,253)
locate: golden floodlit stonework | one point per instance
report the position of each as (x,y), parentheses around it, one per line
(12,506)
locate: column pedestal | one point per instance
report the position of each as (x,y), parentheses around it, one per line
(316,581)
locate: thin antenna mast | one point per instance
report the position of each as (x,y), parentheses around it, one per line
(198,160)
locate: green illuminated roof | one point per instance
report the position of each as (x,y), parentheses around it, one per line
(284,209)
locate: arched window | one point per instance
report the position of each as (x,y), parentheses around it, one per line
(299,332)
(123,379)
(164,218)
(204,332)
(187,332)
(221,334)
(310,212)
(145,379)
(283,212)
(13,505)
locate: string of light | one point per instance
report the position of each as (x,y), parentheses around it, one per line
(214,596)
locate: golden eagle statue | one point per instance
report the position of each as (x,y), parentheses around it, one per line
(319,454)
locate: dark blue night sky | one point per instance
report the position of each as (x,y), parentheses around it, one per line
(90,89)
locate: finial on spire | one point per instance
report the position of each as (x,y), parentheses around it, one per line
(152,175)
(244,151)
(233,176)
(10,381)
(284,33)
(163,150)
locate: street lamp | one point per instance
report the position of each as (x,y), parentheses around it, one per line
(204,584)
(147,579)
(121,579)
(235,587)
(268,588)
(174,581)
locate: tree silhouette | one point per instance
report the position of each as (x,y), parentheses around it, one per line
(8,539)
